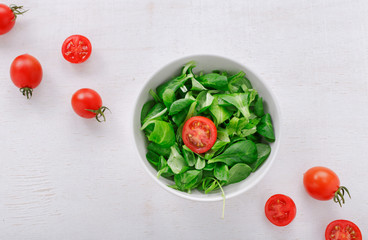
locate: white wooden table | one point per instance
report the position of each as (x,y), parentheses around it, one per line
(64,177)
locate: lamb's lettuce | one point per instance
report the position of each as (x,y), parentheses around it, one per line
(163,133)
(239,152)
(215,81)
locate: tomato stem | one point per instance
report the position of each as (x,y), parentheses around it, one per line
(17,10)
(27,92)
(100,113)
(339,195)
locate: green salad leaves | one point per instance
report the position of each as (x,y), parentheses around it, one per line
(244,130)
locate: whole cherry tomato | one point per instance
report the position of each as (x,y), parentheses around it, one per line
(87,103)
(323,184)
(8,15)
(26,73)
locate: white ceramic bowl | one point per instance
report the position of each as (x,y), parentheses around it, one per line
(206,63)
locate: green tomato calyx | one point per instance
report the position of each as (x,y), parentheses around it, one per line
(17,10)
(27,92)
(100,113)
(339,195)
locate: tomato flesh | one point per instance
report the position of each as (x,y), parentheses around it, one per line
(321,183)
(280,210)
(199,134)
(342,230)
(26,71)
(76,49)
(84,99)
(7,19)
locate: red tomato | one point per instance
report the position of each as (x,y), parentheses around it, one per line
(8,15)
(87,103)
(323,184)
(342,230)
(26,73)
(280,210)
(199,134)
(76,49)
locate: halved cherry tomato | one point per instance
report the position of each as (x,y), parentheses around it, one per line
(26,73)
(76,49)
(199,134)
(280,210)
(323,184)
(87,103)
(342,230)
(8,15)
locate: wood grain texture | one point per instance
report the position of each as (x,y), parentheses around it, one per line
(63,177)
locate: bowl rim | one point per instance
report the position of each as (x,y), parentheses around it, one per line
(219,197)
